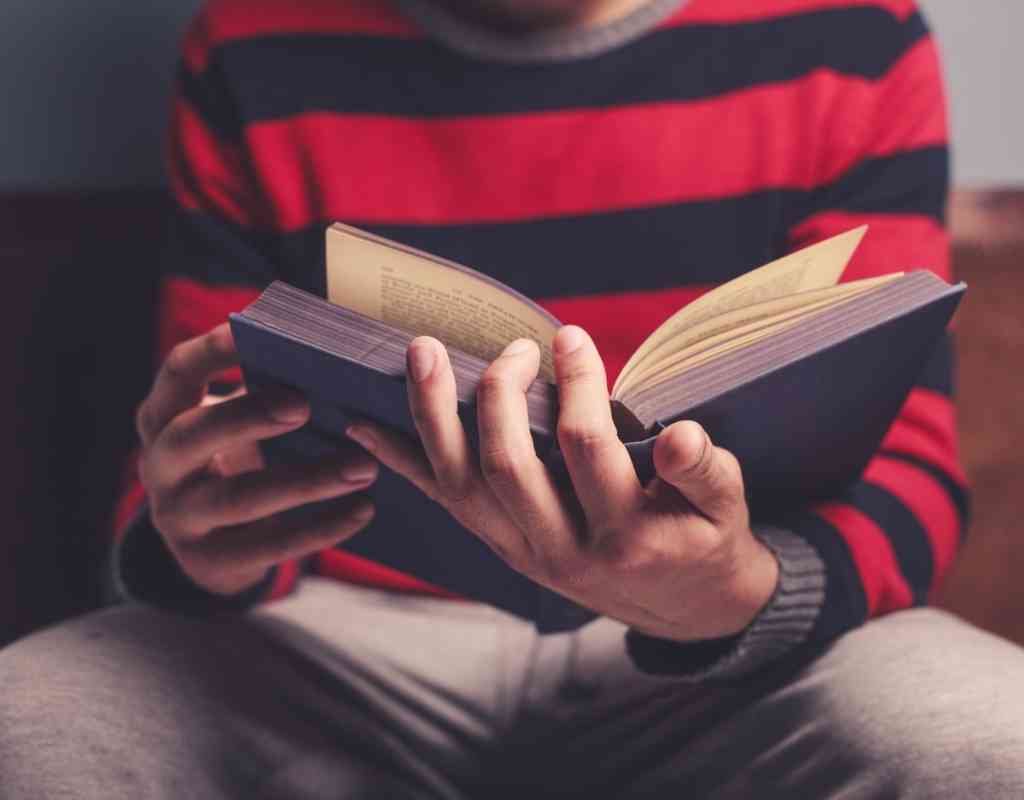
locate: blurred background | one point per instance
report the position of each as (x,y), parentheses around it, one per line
(81,208)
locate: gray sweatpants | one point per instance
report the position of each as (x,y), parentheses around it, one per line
(345,692)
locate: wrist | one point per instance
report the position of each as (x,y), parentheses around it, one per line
(753,584)
(780,628)
(726,599)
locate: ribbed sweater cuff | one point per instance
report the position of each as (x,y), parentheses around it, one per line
(144,570)
(782,626)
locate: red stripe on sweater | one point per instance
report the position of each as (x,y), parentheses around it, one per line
(485,169)
(189,308)
(885,588)
(229,20)
(926,429)
(356,569)
(928,501)
(894,242)
(208,175)
(284,581)
(910,106)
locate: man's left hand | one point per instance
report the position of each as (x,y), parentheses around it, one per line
(674,559)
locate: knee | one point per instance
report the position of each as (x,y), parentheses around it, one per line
(927,706)
(90,685)
(54,679)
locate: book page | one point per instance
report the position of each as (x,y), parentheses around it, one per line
(428,296)
(676,363)
(816,267)
(721,327)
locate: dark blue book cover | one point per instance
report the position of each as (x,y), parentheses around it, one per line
(802,410)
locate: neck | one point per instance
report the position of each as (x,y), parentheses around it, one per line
(530,16)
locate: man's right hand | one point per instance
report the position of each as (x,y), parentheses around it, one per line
(210,495)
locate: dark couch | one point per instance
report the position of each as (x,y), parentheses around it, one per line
(77,344)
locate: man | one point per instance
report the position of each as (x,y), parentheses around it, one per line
(614,158)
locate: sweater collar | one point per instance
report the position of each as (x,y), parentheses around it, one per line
(564,44)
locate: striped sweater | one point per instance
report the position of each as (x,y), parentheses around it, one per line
(614,174)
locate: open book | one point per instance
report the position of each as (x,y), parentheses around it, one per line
(796,373)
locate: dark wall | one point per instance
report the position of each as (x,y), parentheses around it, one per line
(84,86)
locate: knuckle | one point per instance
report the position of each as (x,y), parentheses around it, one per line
(189,521)
(630,555)
(162,515)
(454,490)
(153,474)
(492,385)
(584,440)
(569,570)
(176,435)
(176,363)
(214,343)
(732,473)
(226,501)
(500,463)
(422,416)
(176,517)
(576,371)
(345,522)
(699,468)
(300,492)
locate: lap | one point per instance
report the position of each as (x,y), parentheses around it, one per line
(916,704)
(397,696)
(138,703)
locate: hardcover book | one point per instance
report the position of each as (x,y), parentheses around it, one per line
(797,374)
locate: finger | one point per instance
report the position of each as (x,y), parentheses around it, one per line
(397,452)
(598,463)
(508,460)
(708,476)
(181,380)
(254,495)
(476,512)
(191,439)
(239,555)
(434,405)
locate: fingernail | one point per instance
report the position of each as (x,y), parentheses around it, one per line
(358,473)
(421,358)
(568,340)
(362,436)
(292,408)
(517,347)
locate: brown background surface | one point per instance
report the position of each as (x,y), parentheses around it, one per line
(987,583)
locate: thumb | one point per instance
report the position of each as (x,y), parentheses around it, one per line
(708,476)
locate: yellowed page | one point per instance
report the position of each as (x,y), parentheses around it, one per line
(816,267)
(676,363)
(721,327)
(428,296)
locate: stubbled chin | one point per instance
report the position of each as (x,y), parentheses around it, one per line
(525,15)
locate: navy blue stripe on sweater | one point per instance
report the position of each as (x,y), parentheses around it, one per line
(592,250)
(358,74)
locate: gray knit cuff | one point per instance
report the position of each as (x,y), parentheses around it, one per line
(781,626)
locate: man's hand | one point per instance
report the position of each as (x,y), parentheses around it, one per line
(675,559)
(210,495)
